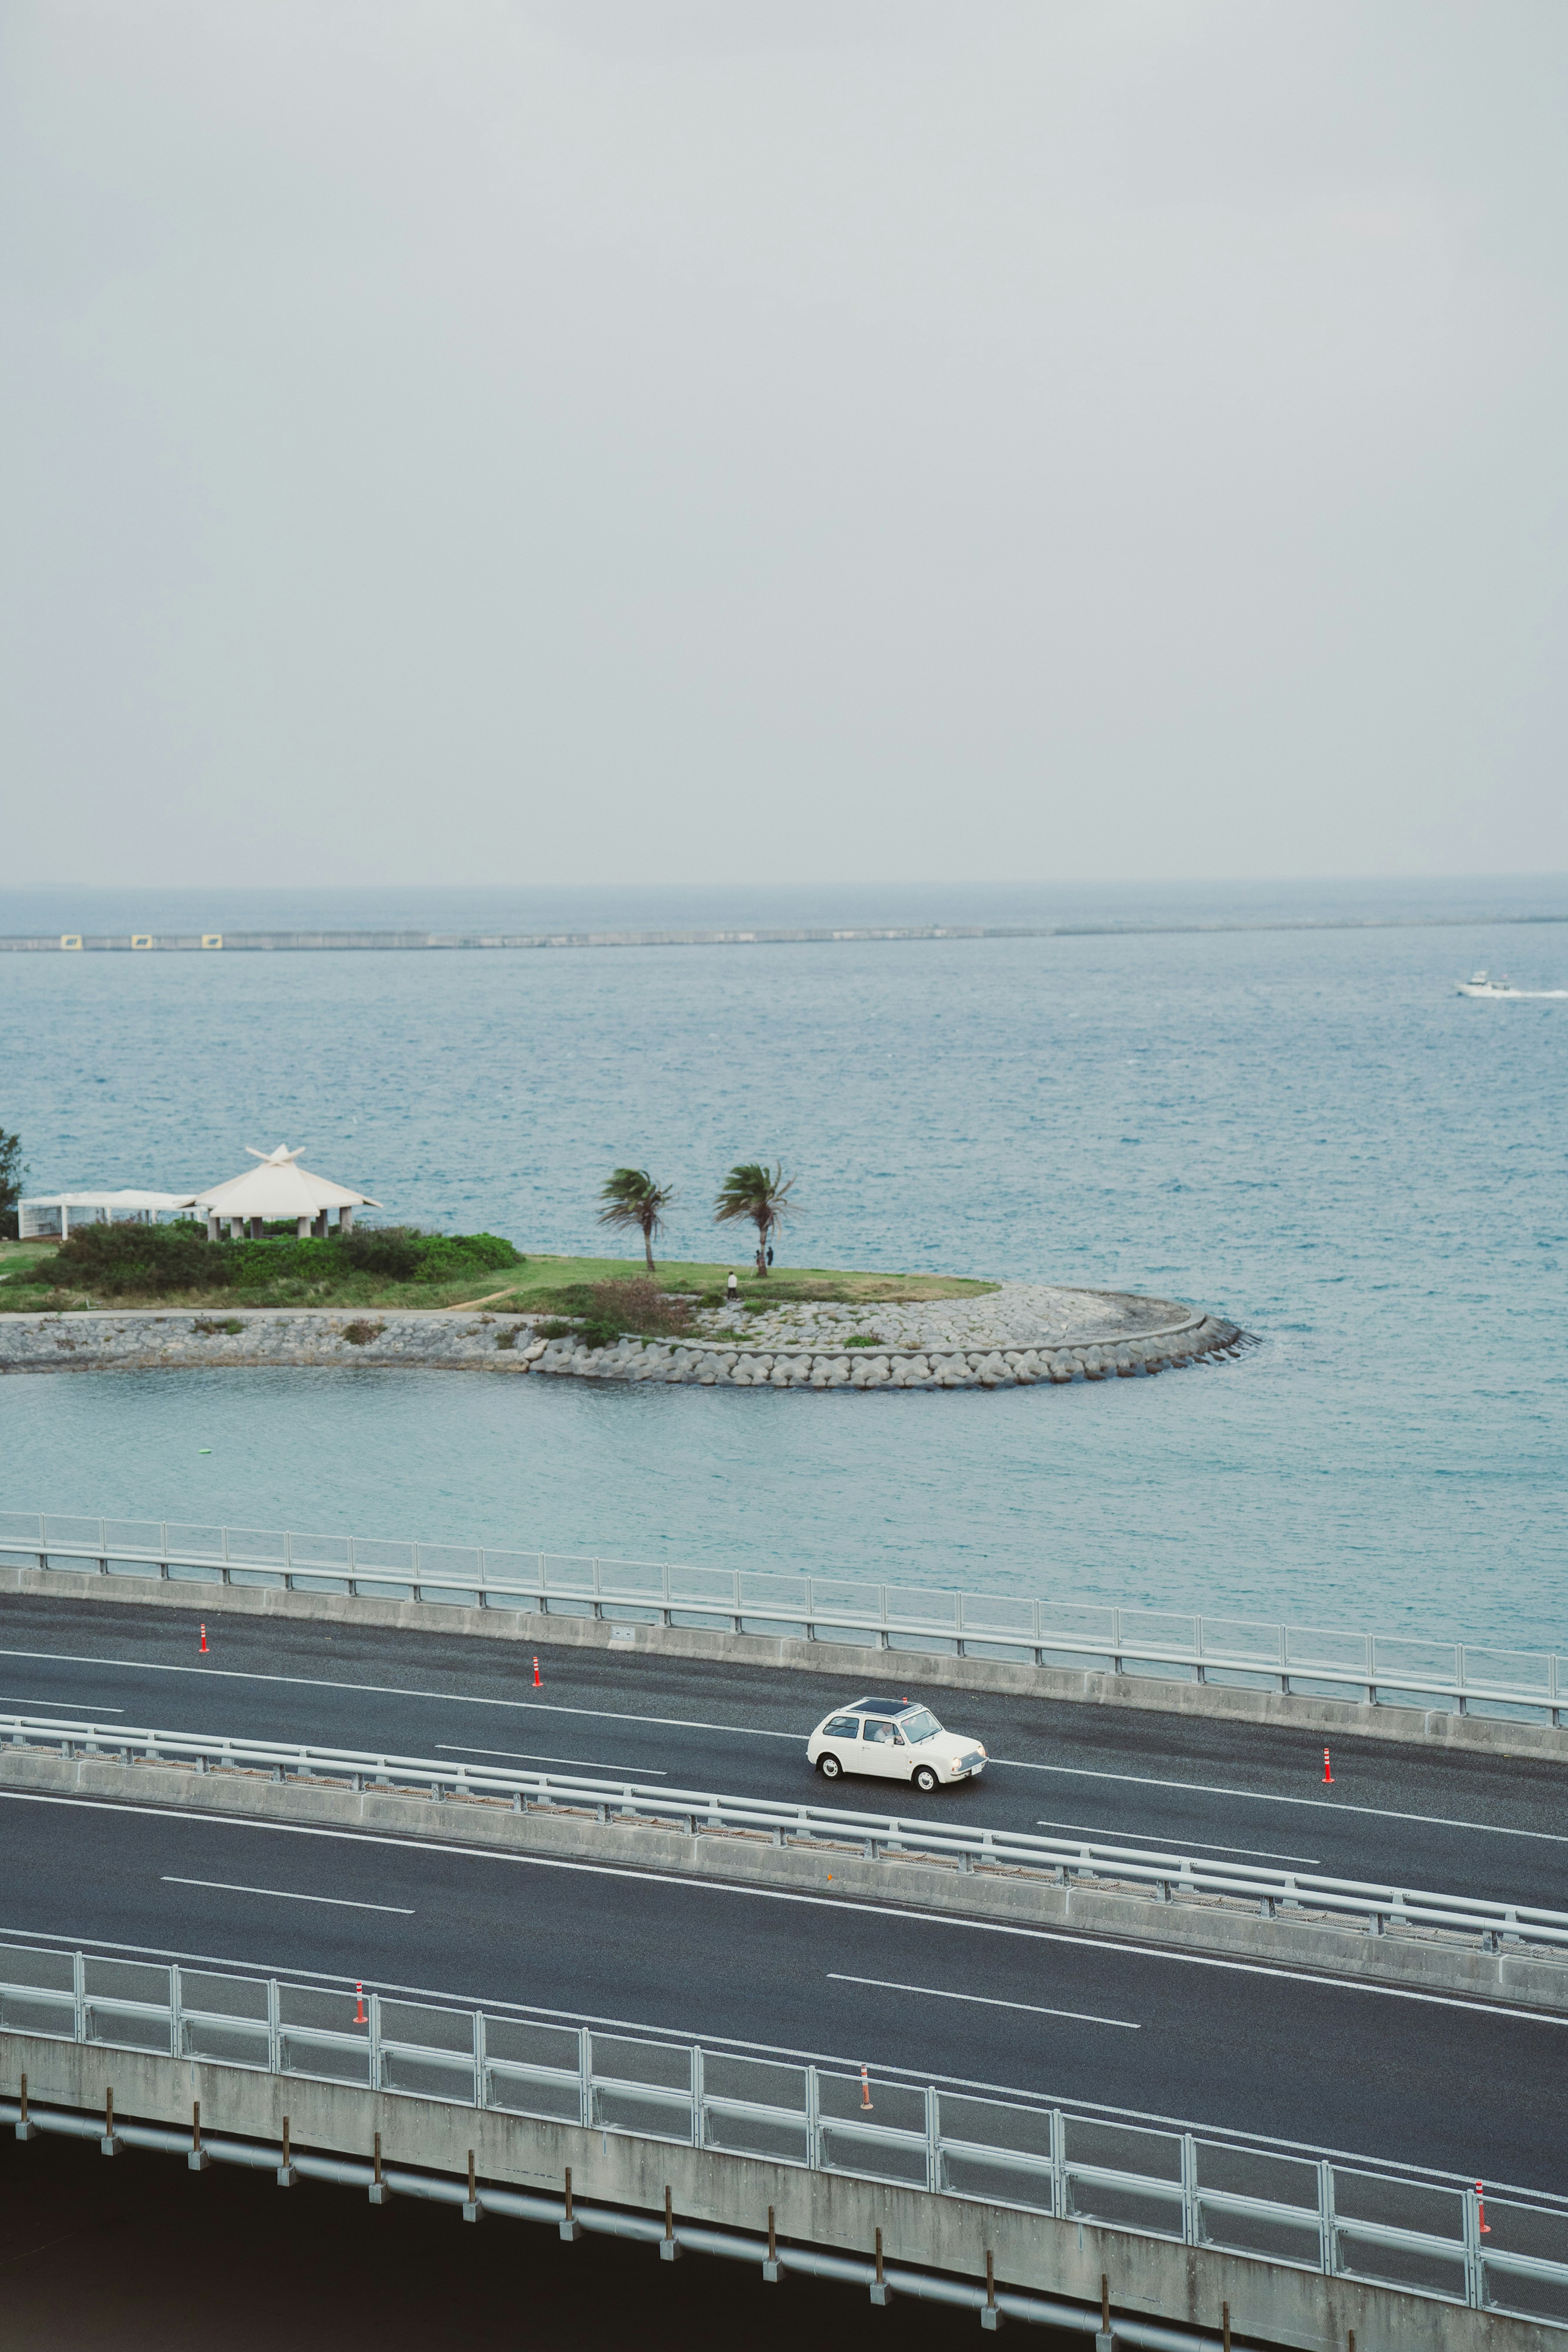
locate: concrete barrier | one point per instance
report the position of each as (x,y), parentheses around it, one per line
(1156,2279)
(843,1661)
(743,1859)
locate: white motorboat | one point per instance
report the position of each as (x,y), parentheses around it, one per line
(1481,983)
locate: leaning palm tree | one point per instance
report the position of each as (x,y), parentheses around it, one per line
(759,1194)
(630,1197)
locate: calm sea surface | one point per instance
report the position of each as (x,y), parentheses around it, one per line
(1306,1129)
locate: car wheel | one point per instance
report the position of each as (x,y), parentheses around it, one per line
(926,1780)
(828,1767)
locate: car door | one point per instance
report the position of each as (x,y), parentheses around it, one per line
(882,1751)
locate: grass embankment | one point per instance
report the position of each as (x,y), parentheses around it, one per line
(531,1285)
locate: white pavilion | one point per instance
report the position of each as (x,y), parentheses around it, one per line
(279,1188)
(44,1215)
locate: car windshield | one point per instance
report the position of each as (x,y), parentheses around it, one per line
(921,1725)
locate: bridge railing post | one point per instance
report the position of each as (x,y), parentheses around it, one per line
(1475,2275)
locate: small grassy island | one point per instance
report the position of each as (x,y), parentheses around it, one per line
(134,1295)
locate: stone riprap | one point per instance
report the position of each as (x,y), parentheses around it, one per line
(1020,1334)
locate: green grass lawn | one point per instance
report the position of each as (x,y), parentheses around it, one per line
(554,1285)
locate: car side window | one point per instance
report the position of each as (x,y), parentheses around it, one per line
(842,1726)
(881,1732)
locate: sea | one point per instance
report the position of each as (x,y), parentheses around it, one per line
(1266,1100)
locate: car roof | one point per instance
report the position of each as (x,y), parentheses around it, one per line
(882,1707)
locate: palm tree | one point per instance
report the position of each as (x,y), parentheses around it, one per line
(630,1197)
(759,1194)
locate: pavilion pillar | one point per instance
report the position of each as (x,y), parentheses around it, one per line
(212,1225)
(255,1229)
(302,1228)
(345,1221)
(318,1225)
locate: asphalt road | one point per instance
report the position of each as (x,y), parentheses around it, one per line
(1442,1822)
(1468,2088)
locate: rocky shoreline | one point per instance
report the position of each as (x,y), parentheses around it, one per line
(1020,1336)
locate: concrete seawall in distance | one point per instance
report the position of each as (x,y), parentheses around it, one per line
(1023,1335)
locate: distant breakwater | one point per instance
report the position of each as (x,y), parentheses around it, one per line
(397,1337)
(761,935)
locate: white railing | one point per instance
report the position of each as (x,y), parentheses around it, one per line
(1489,2248)
(1167,1875)
(1243,1652)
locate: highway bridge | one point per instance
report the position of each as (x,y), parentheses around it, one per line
(1266,2053)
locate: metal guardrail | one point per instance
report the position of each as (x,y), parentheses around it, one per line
(1494,2250)
(1165,1876)
(1170,1645)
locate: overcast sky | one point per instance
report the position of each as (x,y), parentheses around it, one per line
(625,440)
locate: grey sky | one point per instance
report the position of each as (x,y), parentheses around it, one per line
(630,439)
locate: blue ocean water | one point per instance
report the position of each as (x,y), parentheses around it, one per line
(1305,1129)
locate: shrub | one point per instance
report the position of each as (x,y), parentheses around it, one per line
(207,1327)
(359,1335)
(113,1260)
(390,1251)
(385,1252)
(606,1311)
(638,1305)
(117,1259)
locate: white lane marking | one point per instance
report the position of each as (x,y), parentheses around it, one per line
(1261,1796)
(982,2001)
(528,1755)
(1260,1853)
(57,1706)
(286,1895)
(1323,1983)
(399,1690)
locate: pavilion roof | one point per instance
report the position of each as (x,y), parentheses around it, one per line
(279,1188)
(129,1199)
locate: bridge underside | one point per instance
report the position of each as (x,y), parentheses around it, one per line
(1044,2270)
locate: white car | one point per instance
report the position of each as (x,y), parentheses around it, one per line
(889,1740)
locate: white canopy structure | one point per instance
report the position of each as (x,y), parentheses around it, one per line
(51,1212)
(279,1188)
